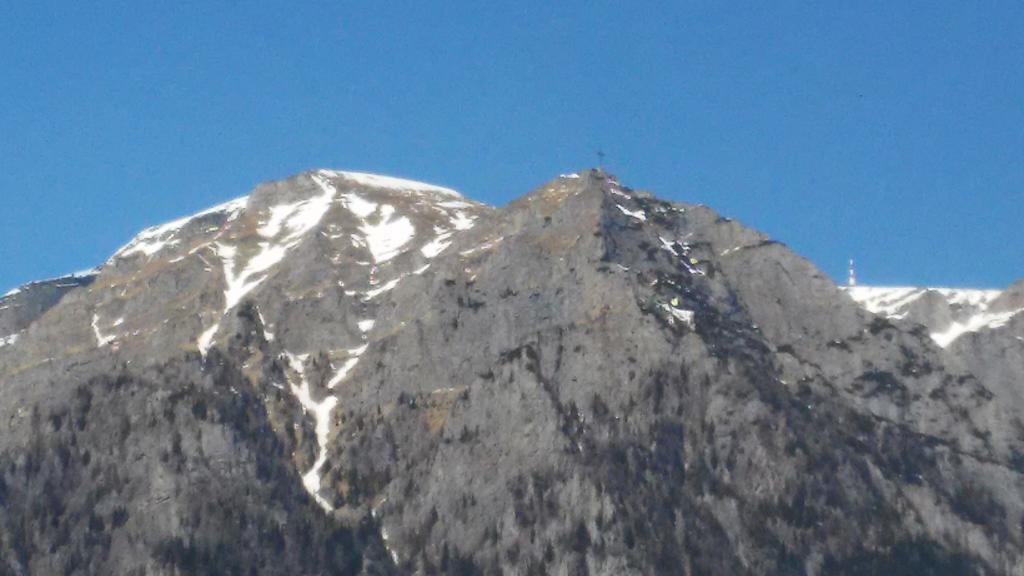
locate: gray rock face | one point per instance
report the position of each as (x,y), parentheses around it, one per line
(981,331)
(21,307)
(345,373)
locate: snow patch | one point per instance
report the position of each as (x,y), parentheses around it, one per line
(684,316)
(386,238)
(387,545)
(437,245)
(975,323)
(350,363)
(205,340)
(152,240)
(266,327)
(101,339)
(284,229)
(457,204)
(321,412)
(887,301)
(688,262)
(970,308)
(638,214)
(87,273)
(358,205)
(462,221)
(482,247)
(9,340)
(239,284)
(387,287)
(391,183)
(298,218)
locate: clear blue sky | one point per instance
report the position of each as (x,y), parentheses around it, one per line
(888,131)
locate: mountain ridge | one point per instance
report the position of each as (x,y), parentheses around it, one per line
(587,380)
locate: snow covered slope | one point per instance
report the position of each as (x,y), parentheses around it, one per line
(948,313)
(317,252)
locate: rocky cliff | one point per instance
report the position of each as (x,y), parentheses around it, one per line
(346,373)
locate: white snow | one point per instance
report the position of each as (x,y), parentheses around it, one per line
(366,325)
(384,536)
(9,340)
(462,221)
(11,292)
(205,340)
(570,176)
(887,301)
(375,510)
(973,324)
(101,339)
(350,363)
(284,229)
(459,204)
(266,327)
(482,247)
(238,284)
(638,214)
(321,412)
(391,183)
(87,273)
(387,287)
(358,205)
(154,239)
(437,245)
(297,219)
(688,263)
(970,307)
(386,238)
(684,316)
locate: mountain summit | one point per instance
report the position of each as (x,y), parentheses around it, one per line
(355,374)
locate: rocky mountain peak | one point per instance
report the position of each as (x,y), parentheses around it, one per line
(381,376)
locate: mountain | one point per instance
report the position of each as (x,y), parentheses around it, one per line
(948,313)
(355,374)
(982,331)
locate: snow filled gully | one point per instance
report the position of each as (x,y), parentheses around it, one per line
(283,229)
(321,410)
